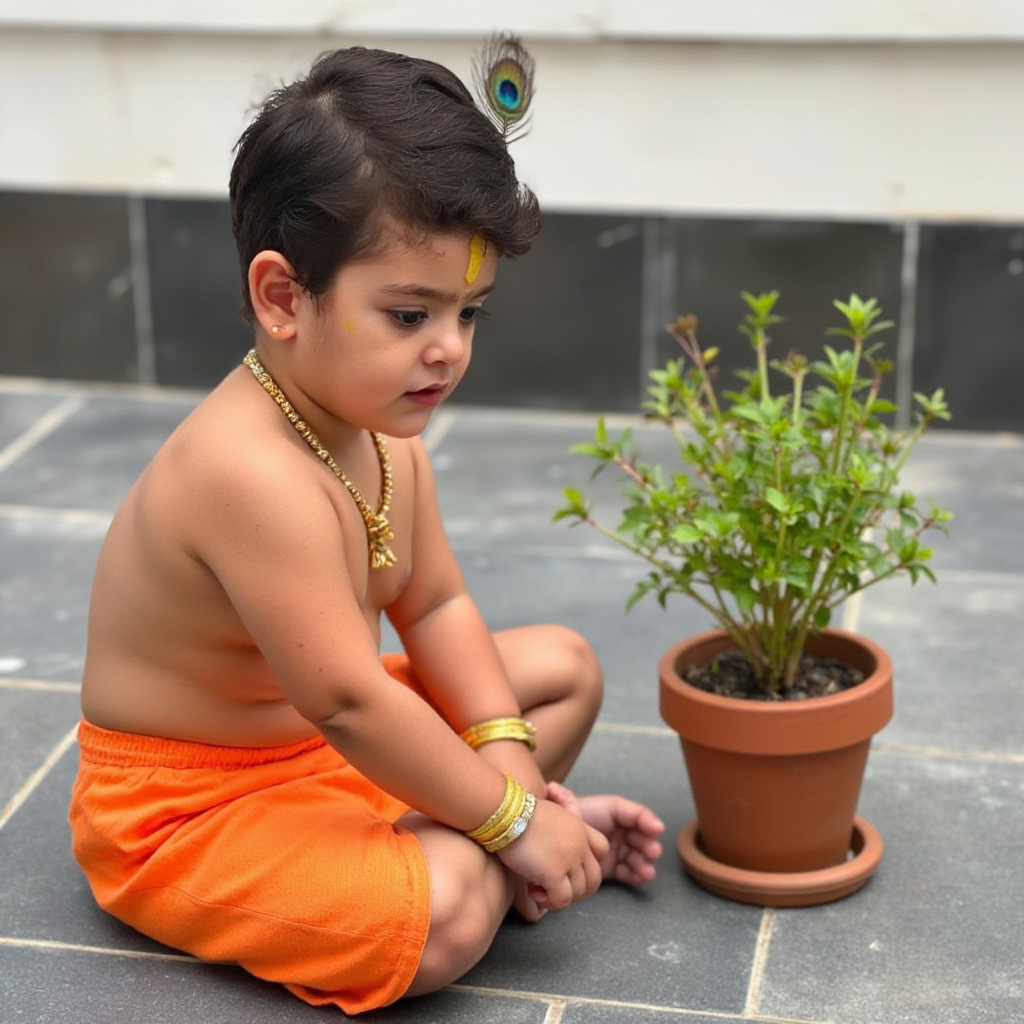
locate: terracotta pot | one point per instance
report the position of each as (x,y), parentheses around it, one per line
(776,784)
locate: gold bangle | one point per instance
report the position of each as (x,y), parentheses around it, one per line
(499,815)
(516,829)
(511,808)
(509,811)
(500,729)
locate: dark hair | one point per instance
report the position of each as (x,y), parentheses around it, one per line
(367,135)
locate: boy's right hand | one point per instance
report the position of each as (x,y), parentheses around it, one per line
(558,855)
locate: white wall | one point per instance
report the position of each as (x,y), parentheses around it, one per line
(882,109)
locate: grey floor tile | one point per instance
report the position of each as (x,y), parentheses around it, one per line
(980,478)
(589,595)
(44,986)
(32,724)
(460,1005)
(649,944)
(956,650)
(501,476)
(19,410)
(92,459)
(935,937)
(500,479)
(48,563)
(43,895)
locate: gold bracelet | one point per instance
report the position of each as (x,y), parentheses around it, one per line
(509,811)
(500,729)
(516,829)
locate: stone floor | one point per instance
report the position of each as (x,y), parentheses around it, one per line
(936,937)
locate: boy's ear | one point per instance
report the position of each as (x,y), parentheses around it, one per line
(274,293)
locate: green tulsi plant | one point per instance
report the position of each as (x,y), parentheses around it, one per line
(785,502)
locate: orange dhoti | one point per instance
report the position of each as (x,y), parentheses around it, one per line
(284,860)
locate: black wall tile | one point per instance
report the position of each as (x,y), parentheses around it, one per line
(969,336)
(198,331)
(65,287)
(564,330)
(566,326)
(810,264)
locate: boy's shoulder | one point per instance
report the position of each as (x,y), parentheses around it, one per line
(236,447)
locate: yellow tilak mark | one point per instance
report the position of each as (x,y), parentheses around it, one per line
(477,248)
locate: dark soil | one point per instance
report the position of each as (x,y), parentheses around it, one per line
(730,675)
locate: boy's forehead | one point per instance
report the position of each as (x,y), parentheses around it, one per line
(470,252)
(438,244)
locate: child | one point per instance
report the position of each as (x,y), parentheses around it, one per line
(257,784)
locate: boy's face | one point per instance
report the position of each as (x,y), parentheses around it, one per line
(392,337)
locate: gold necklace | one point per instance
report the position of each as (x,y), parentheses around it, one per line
(378,529)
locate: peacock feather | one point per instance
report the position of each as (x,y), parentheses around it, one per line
(503,76)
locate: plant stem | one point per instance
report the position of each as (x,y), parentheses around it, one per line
(840,452)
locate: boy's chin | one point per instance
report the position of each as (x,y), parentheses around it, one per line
(408,426)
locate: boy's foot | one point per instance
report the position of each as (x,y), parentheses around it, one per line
(632,831)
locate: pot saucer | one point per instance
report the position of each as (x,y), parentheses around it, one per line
(784,888)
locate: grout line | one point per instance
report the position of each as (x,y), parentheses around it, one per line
(636,730)
(979,576)
(145,344)
(438,429)
(556,1010)
(156,393)
(663,732)
(851,611)
(907,330)
(601,554)
(954,755)
(596,553)
(37,776)
(44,426)
(72,947)
(656,286)
(556,1004)
(39,684)
(760,964)
(518,415)
(60,515)
(677,1011)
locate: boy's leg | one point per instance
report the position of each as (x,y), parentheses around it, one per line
(470,894)
(557,681)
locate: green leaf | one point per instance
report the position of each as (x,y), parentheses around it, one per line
(686,534)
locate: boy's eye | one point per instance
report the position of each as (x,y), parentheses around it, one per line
(472,313)
(408,317)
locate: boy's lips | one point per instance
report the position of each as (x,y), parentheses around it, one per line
(427,396)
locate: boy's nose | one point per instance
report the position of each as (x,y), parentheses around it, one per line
(448,345)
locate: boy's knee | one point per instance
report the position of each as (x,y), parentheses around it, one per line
(465,913)
(582,666)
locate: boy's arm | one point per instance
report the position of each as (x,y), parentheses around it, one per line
(272,537)
(448,641)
